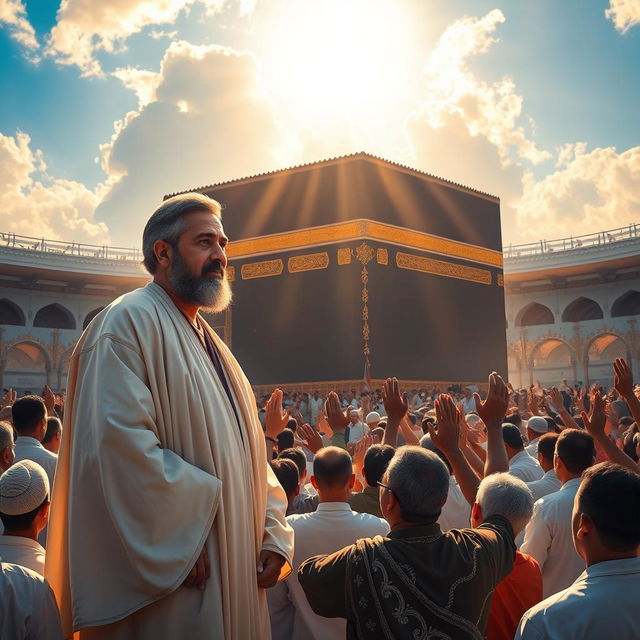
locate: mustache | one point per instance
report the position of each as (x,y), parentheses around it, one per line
(216,265)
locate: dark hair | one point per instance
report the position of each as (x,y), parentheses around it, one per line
(21,521)
(628,444)
(626,421)
(292,424)
(27,412)
(287,473)
(513,418)
(378,431)
(576,450)
(610,496)
(376,461)
(547,445)
(285,440)
(296,455)
(54,427)
(551,424)
(511,435)
(332,467)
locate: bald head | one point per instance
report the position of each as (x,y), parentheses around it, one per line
(332,467)
(6,446)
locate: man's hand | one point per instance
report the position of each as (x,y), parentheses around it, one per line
(579,400)
(447,436)
(268,568)
(623,380)
(49,400)
(556,399)
(313,440)
(338,421)
(597,418)
(8,399)
(534,404)
(494,408)
(199,574)
(275,419)
(361,448)
(395,405)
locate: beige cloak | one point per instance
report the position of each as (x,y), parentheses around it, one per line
(154,465)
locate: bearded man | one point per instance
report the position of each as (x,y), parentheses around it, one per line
(166,520)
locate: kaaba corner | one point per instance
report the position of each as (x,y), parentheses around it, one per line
(358,266)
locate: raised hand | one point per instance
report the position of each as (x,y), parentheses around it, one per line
(337,419)
(361,448)
(556,399)
(275,418)
(395,405)
(313,440)
(623,380)
(49,400)
(534,404)
(447,435)
(579,400)
(8,399)
(494,408)
(597,418)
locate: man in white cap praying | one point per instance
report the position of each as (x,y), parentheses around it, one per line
(24,511)
(163,493)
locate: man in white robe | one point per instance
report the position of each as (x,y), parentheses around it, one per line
(166,520)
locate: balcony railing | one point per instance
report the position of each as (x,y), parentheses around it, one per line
(105,252)
(572,242)
(59,247)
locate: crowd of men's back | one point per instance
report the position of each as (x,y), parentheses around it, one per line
(461,519)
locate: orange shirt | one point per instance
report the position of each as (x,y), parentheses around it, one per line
(519,591)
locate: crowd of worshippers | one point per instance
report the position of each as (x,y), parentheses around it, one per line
(476,513)
(490,518)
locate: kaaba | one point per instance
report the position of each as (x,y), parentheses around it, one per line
(359,268)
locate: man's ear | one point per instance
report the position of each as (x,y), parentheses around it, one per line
(162,252)
(352,480)
(585,526)
(476,514)
(314,483)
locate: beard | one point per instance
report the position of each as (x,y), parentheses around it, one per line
(212,294)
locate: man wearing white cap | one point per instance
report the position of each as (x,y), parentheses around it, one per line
(372,420)
(536,427)
(356,430)
(24,510)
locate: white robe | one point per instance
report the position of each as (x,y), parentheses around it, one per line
(153,465)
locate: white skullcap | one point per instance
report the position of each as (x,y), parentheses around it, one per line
(354,412)
(23,488)
(472,418)
(374,416)
(538,424)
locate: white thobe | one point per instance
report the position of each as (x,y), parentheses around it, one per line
(331,528)
(456,511)
(28,607)
(549,483)
(357,432)
(601,603)
(532,448)
(523,466)
(28,448)
(316,406)
(548,538)
(23,551)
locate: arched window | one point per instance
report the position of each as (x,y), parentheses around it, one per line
(26,357)
(54,316)
(628,304)
(582,309)
(11,313)
(90,316)
(534,313)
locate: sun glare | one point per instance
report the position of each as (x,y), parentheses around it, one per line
(338,58)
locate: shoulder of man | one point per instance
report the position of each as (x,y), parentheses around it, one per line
(547,614)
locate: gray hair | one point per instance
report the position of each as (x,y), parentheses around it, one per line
(420,481)
(502,494)
(167,222)
(6,435)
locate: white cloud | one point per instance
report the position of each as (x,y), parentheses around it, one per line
(33,203)
(85,27)
(590,191)
(624,14)
(14,14)
(492,110)
(141,81)
(209,122)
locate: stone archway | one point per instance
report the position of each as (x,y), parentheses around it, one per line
(552,360)
(27,366)
(600,352)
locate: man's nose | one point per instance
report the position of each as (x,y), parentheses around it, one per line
(220,254)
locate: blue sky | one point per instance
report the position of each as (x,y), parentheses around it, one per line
(534,101)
